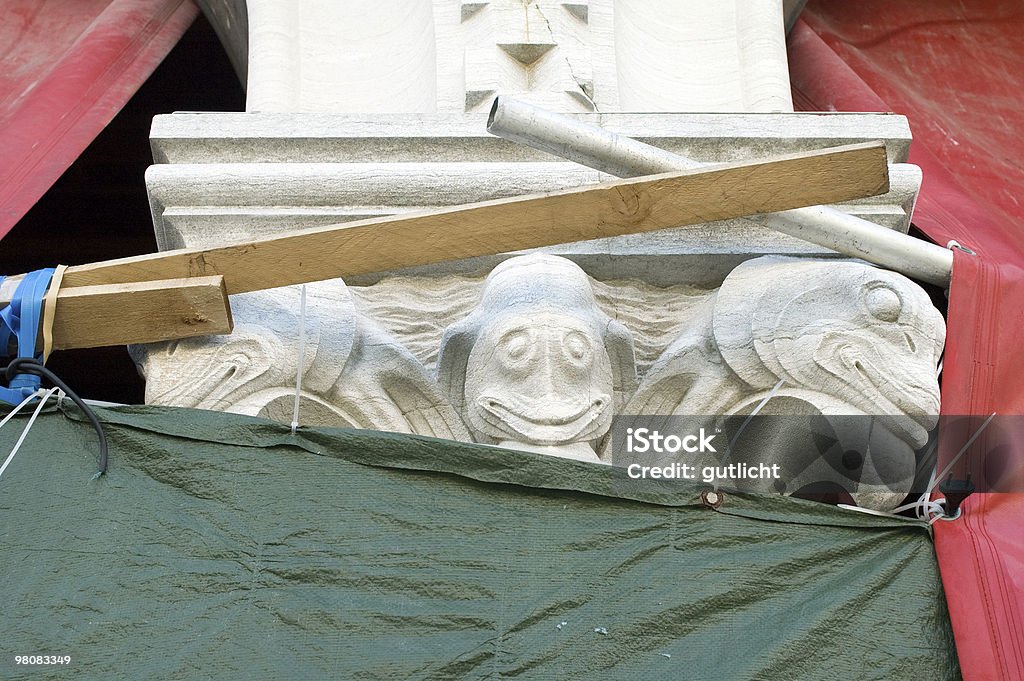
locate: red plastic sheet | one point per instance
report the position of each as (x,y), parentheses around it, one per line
(66,68)
(957,71)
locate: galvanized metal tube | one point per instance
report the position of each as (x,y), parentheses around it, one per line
(583,143)
(622,156)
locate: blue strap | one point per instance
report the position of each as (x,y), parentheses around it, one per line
(20,321)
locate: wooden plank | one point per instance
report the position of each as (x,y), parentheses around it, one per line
(578,214)
(146,312)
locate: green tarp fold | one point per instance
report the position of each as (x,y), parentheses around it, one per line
(224,547)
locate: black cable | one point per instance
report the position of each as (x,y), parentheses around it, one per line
(28,365)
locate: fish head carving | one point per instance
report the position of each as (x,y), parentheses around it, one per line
(863,335)
(543,378)
(537,361)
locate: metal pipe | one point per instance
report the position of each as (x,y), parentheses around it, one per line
(622,156)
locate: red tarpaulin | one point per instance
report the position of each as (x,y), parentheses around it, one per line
(68,68)
(957,71)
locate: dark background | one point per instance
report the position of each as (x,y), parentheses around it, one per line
(99,210)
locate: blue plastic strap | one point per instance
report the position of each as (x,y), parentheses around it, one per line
(20,321)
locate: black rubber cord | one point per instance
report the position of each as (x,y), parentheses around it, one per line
(28,365)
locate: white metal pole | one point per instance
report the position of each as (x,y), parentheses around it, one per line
(622,156)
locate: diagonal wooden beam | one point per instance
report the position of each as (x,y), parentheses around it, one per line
(590,212)
(183,293)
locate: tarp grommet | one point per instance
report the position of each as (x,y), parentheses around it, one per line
(953,243)
(712,498)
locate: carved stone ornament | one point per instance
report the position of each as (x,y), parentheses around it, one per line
(864,335)
(537,365)
(353,372)
(813,337)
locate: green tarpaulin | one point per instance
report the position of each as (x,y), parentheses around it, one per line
(223,547)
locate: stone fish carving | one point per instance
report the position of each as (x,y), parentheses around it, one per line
(844,338)
(537,365)
(354,373)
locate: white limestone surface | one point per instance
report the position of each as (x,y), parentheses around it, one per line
(346,369)
(537,363)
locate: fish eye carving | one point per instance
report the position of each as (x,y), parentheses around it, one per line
(578,349)
(515,348)
(883,303)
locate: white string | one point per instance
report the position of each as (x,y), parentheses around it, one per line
(928,509)
(736,437)
(936,479)
(956,458)
(924,507)
(919,505)
(20,406)
(28,427)
(869,511)
(302,357)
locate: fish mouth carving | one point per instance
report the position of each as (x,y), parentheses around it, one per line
(906,407)
(547,420)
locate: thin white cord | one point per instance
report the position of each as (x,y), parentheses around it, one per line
(20,406)
(28,427)
(925,508)
(743,426)
(302,357)
(869,511)
(92,403)
(919,504)
(956,458)
(941,476)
